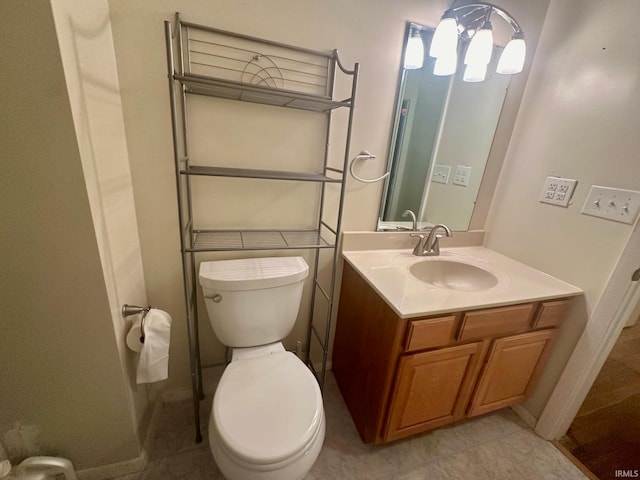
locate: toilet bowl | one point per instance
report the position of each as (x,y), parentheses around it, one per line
(267,420)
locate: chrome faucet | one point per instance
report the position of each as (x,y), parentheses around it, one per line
(414,220)
(429,246)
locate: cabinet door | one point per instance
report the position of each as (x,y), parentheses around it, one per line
(432,389)
(512,369)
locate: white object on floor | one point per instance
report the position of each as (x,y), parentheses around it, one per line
(153,364)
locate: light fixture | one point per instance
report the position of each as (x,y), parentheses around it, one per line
(446,65)
(481,47)
(512,58)
(472,23)
(445,38)
(475,72)
(414,54)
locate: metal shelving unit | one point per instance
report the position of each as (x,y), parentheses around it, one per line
(207,61)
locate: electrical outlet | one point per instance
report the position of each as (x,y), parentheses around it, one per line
(462,175)
(558,191)
(613,204)
(441,173)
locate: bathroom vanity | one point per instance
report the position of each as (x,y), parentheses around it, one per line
(423,342)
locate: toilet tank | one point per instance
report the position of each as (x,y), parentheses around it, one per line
(253,301)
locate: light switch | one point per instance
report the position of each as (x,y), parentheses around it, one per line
(558,191)
(614,204)
(462,175)
(441,173)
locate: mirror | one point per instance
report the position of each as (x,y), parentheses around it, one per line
(442,134)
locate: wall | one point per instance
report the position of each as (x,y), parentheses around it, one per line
(86,46)
(368,32)
(578,119)
(62,389)
(372,36)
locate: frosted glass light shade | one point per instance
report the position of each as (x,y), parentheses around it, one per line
(512,58)
(446,64)
(475,73)
(414,56)
(480,48)
(445,38)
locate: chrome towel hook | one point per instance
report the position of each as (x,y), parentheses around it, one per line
(128,310)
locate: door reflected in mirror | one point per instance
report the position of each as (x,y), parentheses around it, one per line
(441,138)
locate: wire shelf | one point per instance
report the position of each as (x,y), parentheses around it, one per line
(239,67)
(258,173)
(224,240)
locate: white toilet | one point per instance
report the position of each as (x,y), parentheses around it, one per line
(267,420)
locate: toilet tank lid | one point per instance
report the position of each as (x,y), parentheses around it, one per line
(252,273)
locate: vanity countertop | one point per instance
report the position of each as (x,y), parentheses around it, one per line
(387,271)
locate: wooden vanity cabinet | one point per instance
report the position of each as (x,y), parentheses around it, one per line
(400,377)
(511,370)
(432,389)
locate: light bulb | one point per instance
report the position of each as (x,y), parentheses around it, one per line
(475,73)
(512,58)
(481,47)
(445,38)
(414,55)
(446,64)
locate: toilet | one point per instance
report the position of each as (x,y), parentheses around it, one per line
(267,420)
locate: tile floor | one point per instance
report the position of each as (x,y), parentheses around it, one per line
(605,435)
(493,447)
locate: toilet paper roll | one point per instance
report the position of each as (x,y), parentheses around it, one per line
(133,337)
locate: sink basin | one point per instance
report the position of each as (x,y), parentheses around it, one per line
(453,275)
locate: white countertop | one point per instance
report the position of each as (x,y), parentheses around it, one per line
(387,271)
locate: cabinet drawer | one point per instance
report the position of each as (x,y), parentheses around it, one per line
(496,322)
(430,332)
(551,314)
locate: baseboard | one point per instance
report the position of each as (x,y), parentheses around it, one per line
(524,414)
(104,472)
(133,465)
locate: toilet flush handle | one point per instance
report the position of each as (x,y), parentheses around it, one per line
(217,298)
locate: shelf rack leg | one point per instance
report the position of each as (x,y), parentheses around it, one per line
(192,327)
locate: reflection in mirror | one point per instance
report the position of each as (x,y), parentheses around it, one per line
(442,134)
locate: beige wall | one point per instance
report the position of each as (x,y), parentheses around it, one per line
(371,35)
(578,119)
(86,46)
(62,388)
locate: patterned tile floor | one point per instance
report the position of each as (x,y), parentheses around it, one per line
(493,447)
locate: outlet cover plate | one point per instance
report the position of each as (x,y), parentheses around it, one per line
(558,191)
(462,175)
(441,173)
(614,204)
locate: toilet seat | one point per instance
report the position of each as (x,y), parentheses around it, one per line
(267,409)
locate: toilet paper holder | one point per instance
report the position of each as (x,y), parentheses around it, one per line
(128,310)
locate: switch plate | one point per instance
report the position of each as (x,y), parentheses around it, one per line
(558,191)
(462,175)
(613,204)
(441,173)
